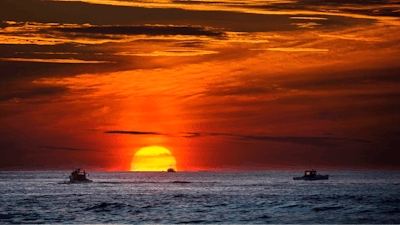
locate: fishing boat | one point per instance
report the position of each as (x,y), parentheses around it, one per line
(312,175)
(171,170)
(78,176)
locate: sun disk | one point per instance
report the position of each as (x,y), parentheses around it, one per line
(153,158)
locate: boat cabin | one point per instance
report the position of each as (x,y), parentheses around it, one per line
(310,173)
(78,175)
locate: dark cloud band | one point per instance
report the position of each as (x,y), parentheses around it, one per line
(68,149)
(132,132)
(141,30)
(315,141)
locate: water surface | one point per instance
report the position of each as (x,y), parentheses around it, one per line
(200,197)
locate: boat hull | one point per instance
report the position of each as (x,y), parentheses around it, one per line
(80,181)
(78,178)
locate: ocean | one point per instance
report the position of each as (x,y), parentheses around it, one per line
(200,197)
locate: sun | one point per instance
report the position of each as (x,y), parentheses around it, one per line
(153,158)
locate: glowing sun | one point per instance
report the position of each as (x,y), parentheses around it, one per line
(153,158)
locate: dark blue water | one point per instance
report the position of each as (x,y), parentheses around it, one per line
(200,197)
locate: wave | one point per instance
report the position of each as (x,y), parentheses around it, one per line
(107,207)
(131,182)
(264,217)
(316,198)
(191,221)
(349,197)
(179,196)
(327,208)
(26,216)
(366,211)
(215,205)
(393,211)
(390,200)
(290,206)
(6,216)
(104,206)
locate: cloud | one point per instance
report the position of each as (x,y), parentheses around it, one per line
(74,61)
(315,141)
(356,9)
(68,149)
(201,134)
(35,38)
(150,30)
(306,25)
(35,33)
(191,135)
(296,49)
(275,16)
(307,18)
(132,132)
(9,93)
(243,89)
(350,37)
(347,79)
(175,52)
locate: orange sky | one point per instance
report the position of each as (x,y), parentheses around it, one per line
(234,85)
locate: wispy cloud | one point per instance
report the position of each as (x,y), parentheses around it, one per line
(191,135)
(132,132)
(172,53)
(296,49)
(150,30)
(80,36)
(379,10)
(29,93)
(306,25)
(56,33)
(202,134)
(315,141)
(350,37)
(68,149)
(73,61)
(307,18)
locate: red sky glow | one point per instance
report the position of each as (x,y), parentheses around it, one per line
(233,85)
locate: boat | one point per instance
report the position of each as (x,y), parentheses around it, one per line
(171,170)
(78,176)
(312,175)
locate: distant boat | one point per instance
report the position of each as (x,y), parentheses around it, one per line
(170,170)
(78,176)
(312,175)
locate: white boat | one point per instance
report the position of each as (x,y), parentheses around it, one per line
(78,176)
(312,175)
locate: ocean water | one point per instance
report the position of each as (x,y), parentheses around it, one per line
(200,197)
